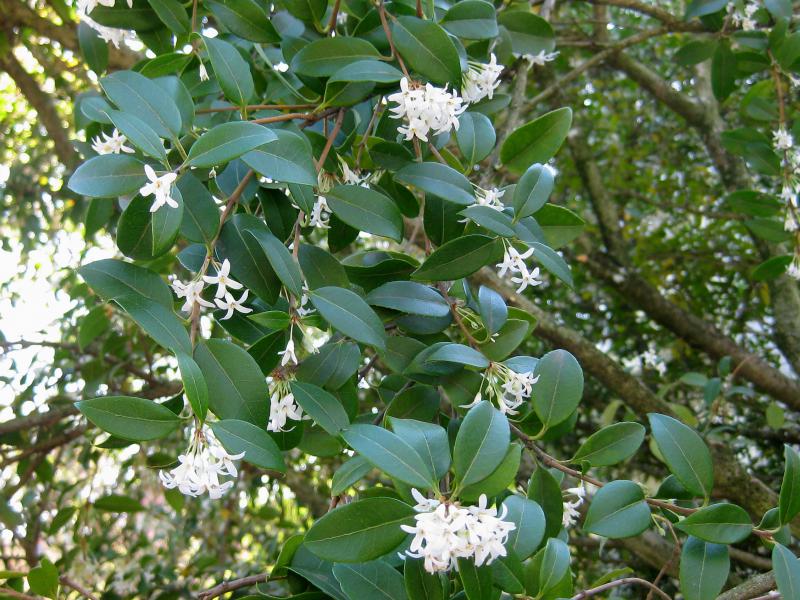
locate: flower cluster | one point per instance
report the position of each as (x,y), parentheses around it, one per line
(320,214)
(111,144)
(514,263)
(445,531)
(282,406)
(425,109)
(784,144)
(160,187)
(506,387)
(107,34)
(201,467)
(490,198)
(541,58)
(481,80)
(571,514)
(744,18)
(223,298)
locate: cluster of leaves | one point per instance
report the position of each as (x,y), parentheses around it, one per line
(397,300)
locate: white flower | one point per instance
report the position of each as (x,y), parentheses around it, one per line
(571,514)
(490,198)
(281,67)
(288,355)
(304,310)
(782,139)
(508,388)
(425,109)
(790,222)
(481,80)
(230,304)
(541,58)
(222,279)
(111,144)
(160,187)
(192,293)
(527,278)
(201,466)
(513,261)
(320,214)
(350,177)
(794,268)
(203,72)
(282,406)
(108,34)
(445,531)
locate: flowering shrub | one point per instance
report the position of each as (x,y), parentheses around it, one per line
(317,204)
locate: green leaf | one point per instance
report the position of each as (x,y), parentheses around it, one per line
(476,581)
(287,159)
(350,472)
(611,445)
(194,384)
(555,564)
(118,504)
(509,574)
(367,210)
(618,510)
(529,518)
(310,11)
(421,585)
(165,224)
(332,365)
(391,454)
(546,491)
(258,447)
(536,141)
(529,33)
(317,571)
(139,133)
(437,179)
(409,297)
(129,418)
(237,244)
(112,278)
(723,71)
(350,315)
(108,176)
(236,388)
(360,531)
(93,48)
(695,52)
(481,444)
(92,326)
(533,190)
(493,309)
(225,142)
(367,70)
(787,571)
(43,579)
(272,319)
(491,219)
(173,15)
(159,322)
(559,388)
(459,258)
(321,268)
(685,453)
(475,134)
(137,95)
(472,20)
(321,406)
(704,569)
(375,579)
(281,260)
(459,354)
(246,19)
(325,56)
(427,49)
(719,523)
(429,441)
(502,477)
(789,503)
(200,213)
(232,71)
(551,261)
(559,225)
(701,8)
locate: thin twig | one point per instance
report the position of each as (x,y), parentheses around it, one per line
(388,32)
(250,107)
(329,143)
(617,583)
(77,587)
(229,586)
(334,14)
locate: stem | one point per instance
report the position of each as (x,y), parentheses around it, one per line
(329,143)
(620,582)
(205,111)
(385,24)
(334,14)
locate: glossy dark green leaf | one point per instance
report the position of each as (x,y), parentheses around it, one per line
(200,213)
(139,133)
(685,453)
(350,472)
(227,141)
(246,256)
(723,71)
(458,354)
(491,219)
(421,585)
(472,20)
(428,439)
(93,48)
(493,309)
(554,565)
(321,268)
(437,179)
(789,504)
(287,159)
(366,210)
(136,94)
(173,15)
(475,135)
(409,297)
(281,260)
(476,581)
(529,518)
(350,314)
(374,579)
(529,33)
(546,491)
(559,387)
(360,531)
(129,418)
(459,258)
(618,510)
(427,49)
(367,70)
(325,56)
(194,384)
(559,225)
(704,569)
(112,278)
(532,190)
(258,447)
(391,454)
(481,444)
(321,406)
(232,71)
(536,141)
(159,322)
(500,479)
(245,18)
(108,176)
(611,445)
(787,571)
(718,523)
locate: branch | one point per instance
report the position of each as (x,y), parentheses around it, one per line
(617,583)
(37,420)
(43,105)
(666,17)
(66,581)
(751,589)
(234,584)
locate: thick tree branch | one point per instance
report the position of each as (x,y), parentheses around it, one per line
(752,588)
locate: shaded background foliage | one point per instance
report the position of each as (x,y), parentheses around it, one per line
(668,312)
